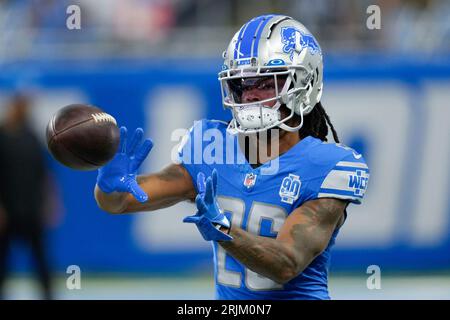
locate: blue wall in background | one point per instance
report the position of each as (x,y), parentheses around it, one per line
(99,242)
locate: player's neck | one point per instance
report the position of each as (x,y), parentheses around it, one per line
(266,147)
(288,140)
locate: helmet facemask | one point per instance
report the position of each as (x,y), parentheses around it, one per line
(256,116)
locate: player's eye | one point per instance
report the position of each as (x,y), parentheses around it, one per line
(249,83)
(235,85)
(267,84)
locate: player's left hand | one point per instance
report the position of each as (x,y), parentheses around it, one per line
(209,217)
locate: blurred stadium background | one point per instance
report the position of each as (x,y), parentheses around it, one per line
(154,64)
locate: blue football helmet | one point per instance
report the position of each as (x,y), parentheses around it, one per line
(278,47)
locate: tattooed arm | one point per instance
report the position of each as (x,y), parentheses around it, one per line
(304,235)
(165,188)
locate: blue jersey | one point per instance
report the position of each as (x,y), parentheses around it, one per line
(259,200)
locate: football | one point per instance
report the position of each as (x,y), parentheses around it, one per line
(82,137)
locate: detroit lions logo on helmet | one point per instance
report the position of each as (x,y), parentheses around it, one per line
(292,37)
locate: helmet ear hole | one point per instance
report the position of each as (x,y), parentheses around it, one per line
(316,75)
(294,81)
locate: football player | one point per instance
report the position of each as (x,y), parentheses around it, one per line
(272,230)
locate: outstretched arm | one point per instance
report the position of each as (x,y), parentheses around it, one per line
(304,235)
(120,190)
(165,188)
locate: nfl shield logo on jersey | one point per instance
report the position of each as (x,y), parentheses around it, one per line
(290,188)
(250,179)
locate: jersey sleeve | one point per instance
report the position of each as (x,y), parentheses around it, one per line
(189,153)
(347,180)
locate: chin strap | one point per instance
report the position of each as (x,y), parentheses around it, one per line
(284,126)
(232,129)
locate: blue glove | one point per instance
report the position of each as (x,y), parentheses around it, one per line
(120,173)
(209,217)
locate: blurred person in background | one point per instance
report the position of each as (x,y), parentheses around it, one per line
(26,195)
(430,30)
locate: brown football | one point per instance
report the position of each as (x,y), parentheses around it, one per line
(82,137)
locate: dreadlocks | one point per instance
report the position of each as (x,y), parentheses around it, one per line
(316,124)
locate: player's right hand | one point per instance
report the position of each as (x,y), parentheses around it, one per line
(209,216)
(120,173)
